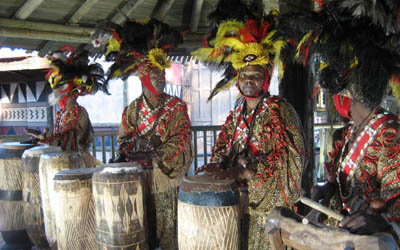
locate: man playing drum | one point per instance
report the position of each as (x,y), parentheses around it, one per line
(261,143)
(71,76)
(155,128)
(363,174)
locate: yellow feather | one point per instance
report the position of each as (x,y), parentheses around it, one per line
(302,41)
(202,53)
(255,49)
(228,28)
(395,85)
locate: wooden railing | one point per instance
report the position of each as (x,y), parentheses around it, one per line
(104,146)
(204,137)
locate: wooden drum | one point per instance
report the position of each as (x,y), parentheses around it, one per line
(119,207)
(33,213)
(208,214)
(74,210)
(284,228)
(49,165)
(12,225)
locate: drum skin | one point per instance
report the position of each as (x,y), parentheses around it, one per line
(119,207)
(49,165)
(12,223)
(33,213)
(208,214)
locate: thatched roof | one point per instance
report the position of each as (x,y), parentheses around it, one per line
(45,25)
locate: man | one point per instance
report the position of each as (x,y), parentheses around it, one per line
(155,128)
(155,131)
(363,180)
(261,144)
(71,76)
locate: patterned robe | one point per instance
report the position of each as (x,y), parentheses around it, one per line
(276,152)
(370,168)
(72,132)
(162,125)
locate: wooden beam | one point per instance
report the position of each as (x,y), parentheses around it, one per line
(44,35)
(127,9)
(196,12)
(27,8)
(82,11)
(161,9)
(40,26)
(74,19)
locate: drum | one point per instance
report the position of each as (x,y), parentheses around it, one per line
(74,213)
(33,213)
(12,224)
(119,207)
(49,165)
(285,228)
(208,214)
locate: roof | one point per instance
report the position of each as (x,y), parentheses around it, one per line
(45,25)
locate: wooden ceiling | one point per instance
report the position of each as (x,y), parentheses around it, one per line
(45,25)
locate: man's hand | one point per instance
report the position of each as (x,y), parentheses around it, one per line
(365,223)
(234,173)
(213,169)
(142,156)
(323,193)
(118,159)
(35,133)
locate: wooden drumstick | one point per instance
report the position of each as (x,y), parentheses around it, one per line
(321,208)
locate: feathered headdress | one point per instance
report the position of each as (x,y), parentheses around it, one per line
(135,45)
(75,69)
(352,45)
(240,38)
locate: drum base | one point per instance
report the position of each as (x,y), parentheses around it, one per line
(16,240)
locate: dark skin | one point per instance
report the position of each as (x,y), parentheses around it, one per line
(250,83)
(367,220)
(157,78)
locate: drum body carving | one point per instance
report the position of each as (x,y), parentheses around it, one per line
(33,213)
(119,207)
(49,165)
(74,210)
(12,224)
(208,214)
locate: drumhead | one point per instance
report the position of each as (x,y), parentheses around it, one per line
(204,183)
(16,145)
(10,150)
(202,190)
(121,169)
(43,149)
(61,154)
(77,174)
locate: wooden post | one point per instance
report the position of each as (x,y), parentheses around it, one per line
(196,11)
(27,8)
(161,9)
(127,9)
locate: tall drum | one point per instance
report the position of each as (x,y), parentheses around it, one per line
(33,213)
(119,207)
(74,213)
(12,225)
(49,165)
(208,214)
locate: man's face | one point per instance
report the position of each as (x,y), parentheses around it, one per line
(251,79)
(157,78)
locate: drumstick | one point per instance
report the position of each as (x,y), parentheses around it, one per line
(321,208)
